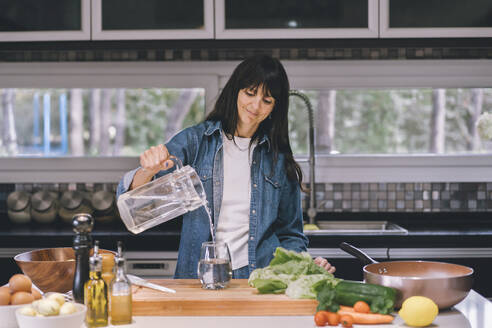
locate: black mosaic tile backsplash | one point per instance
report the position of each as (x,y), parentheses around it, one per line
(403,197)
(220,50)
(351,197)
(239,54)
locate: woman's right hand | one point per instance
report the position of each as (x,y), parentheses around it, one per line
(153,160)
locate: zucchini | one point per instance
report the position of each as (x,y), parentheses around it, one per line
(381,299)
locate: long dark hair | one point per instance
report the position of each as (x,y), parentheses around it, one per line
(253,72)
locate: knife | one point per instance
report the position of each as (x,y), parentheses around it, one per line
(144,283)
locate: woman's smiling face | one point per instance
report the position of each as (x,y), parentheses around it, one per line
(253,107)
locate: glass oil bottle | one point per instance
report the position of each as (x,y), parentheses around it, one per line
(96,293)
(120,292)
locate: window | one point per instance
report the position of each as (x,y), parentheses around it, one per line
(366,94)
(392,121)
(94,122)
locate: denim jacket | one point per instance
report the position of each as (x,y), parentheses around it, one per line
(275,206)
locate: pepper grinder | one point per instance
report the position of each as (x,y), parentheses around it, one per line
(82,243)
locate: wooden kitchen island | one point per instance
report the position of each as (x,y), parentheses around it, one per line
(474,311)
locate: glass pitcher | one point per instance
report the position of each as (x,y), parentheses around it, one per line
(162,199)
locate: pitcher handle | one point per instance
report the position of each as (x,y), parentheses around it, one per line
(176,161)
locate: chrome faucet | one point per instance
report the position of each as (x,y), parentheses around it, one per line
(311,212)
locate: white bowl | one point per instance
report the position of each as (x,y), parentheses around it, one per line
(74,320)
(7,315)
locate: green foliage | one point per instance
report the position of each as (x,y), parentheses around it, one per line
(146,116)
(393,121)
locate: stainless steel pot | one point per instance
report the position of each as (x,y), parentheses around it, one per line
(445,283)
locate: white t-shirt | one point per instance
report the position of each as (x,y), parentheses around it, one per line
(233,224)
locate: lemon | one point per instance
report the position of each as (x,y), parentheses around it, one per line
(418,311)
(310,227)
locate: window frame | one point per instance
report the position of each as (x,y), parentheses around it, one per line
(338,168)
(213,75)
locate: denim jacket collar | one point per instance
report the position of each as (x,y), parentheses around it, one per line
(217,126)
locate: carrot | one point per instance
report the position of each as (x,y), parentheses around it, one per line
(320,318)
(366,318)
(346,308)
(333,318)
(346,320)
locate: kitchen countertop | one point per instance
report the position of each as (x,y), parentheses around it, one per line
(455,231)
(473,312)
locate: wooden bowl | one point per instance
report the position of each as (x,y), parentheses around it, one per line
(50,269)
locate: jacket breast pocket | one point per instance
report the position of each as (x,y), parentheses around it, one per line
(204,173)
(271,195)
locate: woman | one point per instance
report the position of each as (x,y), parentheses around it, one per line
(243,156)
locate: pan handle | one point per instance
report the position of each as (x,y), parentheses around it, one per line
(354,251)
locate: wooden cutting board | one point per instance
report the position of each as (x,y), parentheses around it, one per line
(238,299)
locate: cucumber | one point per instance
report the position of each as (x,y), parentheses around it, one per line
(380,298)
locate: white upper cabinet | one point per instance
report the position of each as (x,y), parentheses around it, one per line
(435,18)
(44,20)
(152,19)
(296,19)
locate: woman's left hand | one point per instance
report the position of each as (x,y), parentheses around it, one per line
(324,264)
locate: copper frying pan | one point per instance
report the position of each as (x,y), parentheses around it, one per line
(445,283)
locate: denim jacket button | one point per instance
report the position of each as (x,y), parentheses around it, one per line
(251,238)
(252,265)
(253,211)
(255,185)
(217,183)
(254,162)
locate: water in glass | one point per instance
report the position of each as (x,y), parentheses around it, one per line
(214,267)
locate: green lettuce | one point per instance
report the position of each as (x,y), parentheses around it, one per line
(303,286)
(291,272)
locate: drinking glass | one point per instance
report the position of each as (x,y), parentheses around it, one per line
(214,267)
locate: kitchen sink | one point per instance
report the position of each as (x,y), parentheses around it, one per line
(357,228)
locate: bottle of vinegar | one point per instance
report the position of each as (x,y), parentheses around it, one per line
(96,293)
(121,292)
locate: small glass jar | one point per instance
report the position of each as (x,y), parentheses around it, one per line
(19,207)
(73,202)
(44,206)
(104,206)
